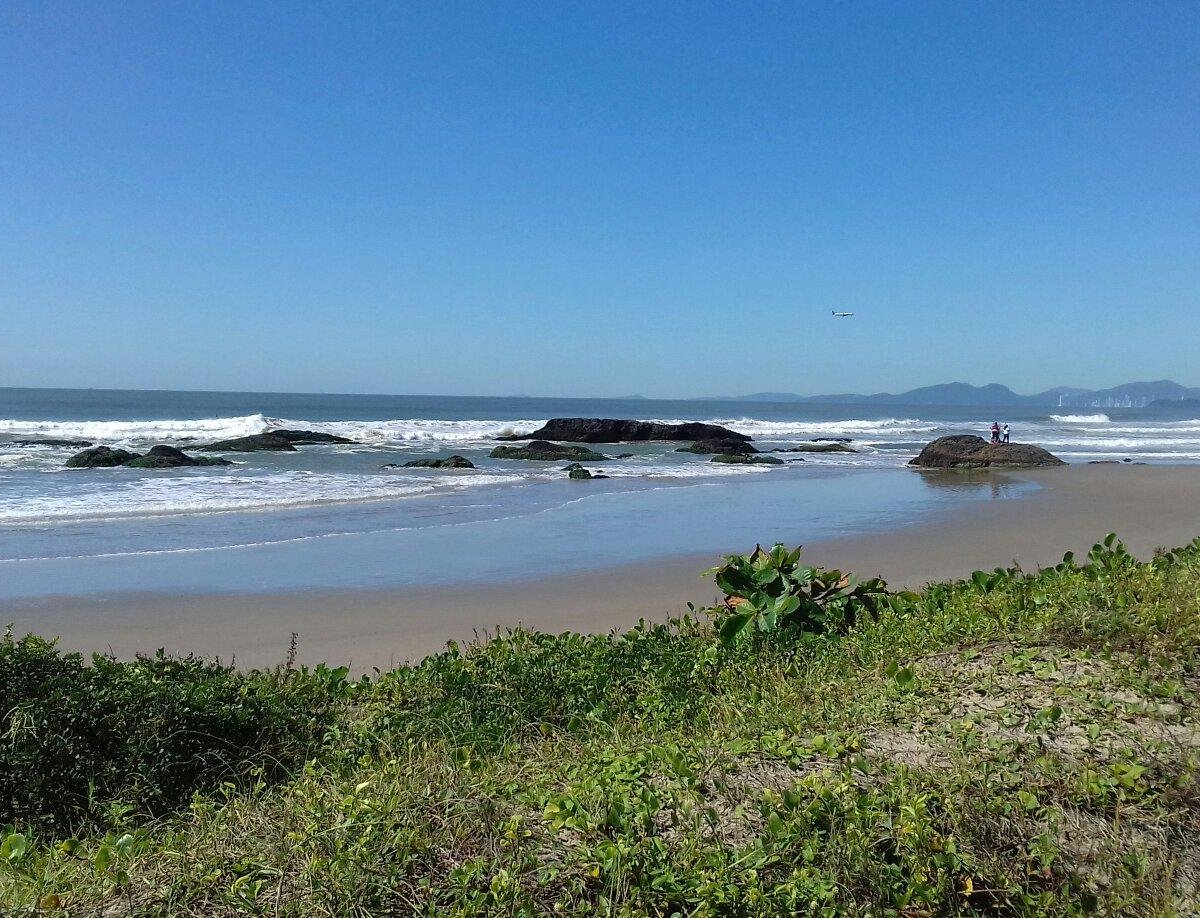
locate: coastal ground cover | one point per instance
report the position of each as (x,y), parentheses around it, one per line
(1011,743)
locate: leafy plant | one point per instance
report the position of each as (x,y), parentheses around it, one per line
(770,589)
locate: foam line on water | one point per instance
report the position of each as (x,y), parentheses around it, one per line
(267,543)
(151,497)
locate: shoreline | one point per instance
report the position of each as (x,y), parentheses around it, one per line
(1146,506)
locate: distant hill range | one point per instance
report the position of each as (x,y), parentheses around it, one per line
(1161,394)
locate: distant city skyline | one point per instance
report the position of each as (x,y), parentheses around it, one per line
(598,200)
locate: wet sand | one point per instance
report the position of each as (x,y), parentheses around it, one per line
(1147,505)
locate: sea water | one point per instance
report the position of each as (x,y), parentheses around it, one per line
(332,516)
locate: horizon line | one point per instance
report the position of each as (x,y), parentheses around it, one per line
(613,398)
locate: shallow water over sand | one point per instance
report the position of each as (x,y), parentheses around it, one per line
(517,532)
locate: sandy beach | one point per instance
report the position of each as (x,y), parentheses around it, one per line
(1147,506)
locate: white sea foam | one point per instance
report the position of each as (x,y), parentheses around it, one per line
(123,493)
(159,495)
(1080,418)
(415,430)
(382,432)
(110,432)
(804,430)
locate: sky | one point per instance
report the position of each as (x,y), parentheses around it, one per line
(665,199)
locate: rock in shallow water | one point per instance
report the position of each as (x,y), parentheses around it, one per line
(823,446)
(967,451)
(579,473)
(49,441)
(541,451)
(303,437)
(610,430)
(252,443)
(449,462)
(168,457)
(729,459)
(724,446)
(100,457)
(159,457)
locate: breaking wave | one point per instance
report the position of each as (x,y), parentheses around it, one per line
(1080,418)
(806,430)
(109,432)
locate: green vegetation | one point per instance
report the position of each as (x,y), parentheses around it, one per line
(1011,743)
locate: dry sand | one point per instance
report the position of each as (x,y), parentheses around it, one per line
(1147,505)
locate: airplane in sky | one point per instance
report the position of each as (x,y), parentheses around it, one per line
(841,315)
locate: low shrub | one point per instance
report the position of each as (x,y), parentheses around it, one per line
(522,680)
(77,738)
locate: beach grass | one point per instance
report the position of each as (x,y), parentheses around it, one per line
(1010,743)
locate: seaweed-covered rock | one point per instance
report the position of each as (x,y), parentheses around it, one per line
(724,446)
(303,437)
(579,473)
(542,451)
(100,457)
(251,444)
(966,451)
(822,446)
(449,462)
(610,430)
(730,459)
(168,457)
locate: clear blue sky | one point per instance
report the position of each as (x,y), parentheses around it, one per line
(598,199)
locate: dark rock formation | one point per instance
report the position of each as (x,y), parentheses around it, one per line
(303,437)
(824,446)
(450,462)
(724,447)
(250,444)
(75,444)
(966,451)
(277,440)
(168,457)
(608,430)
(831,439)
(159,457)
(579,473)
(100,457)
(542,451)
(747,460)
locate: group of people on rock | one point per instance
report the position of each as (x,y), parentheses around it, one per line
(999,434)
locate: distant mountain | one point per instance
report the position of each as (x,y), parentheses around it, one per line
(1129,395)
(768,397)
(1175,403)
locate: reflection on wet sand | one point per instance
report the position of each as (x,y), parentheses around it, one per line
(977,482)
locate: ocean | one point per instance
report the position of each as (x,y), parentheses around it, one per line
(330,516)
